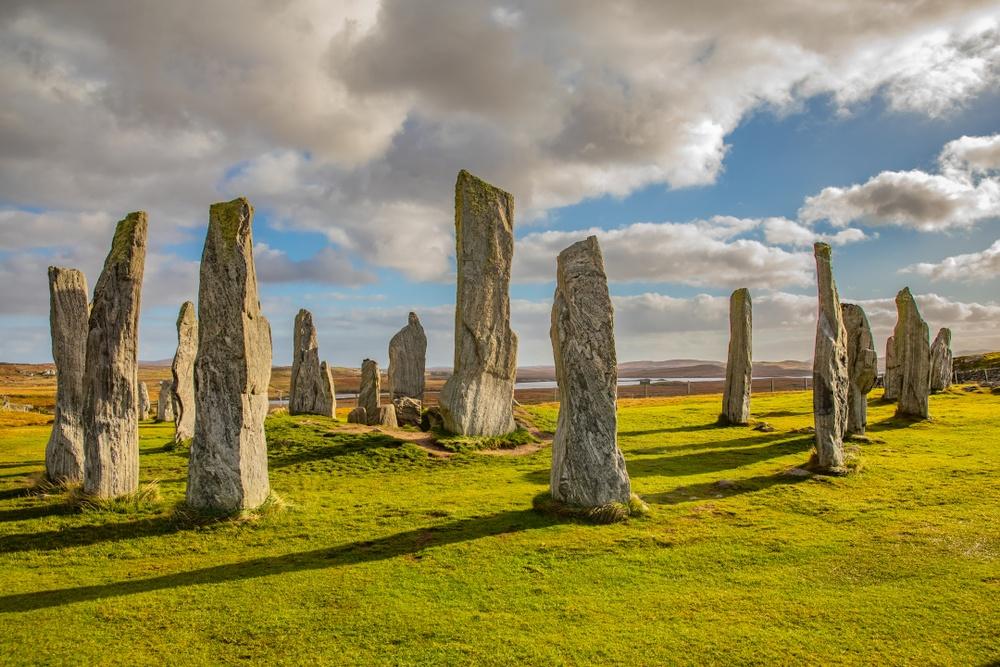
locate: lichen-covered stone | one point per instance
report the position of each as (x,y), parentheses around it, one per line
(370,390)
(68,320)
(386,417)
(478,398)
(736,395)
(165,402)
(227,470)
(407,411)
(588,468)
(144,403)
(407,358)
(830,374)
(891,379)
(941,360)
(182,370)
(862,366)
(913,356)
(357,415)
(111,382)
(312,390)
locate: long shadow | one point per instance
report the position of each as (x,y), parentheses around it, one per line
(894,422)
(21,464)
(292,453)
(732,443)
(707,490)
(675,429)
(714,461)
(392,546)
(16,492)
(37,512)
(80,536)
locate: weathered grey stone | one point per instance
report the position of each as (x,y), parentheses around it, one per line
(736,395)
(431,420)
(913,355)
(407,411)
(144,403)
(183,373)
(386,417)
(588,469)
(941,361)
(407,357)
(228,465)
(892,378)
(477,399)
(111,382)
(830,374)
(68,315)
(165,402)
(862,366)
(357,415)
(370,391)
(312,390)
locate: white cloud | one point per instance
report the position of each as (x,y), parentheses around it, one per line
(328,265)
(970,267)
(782,231)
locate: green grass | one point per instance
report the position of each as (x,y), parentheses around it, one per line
(381,553)
(471,443)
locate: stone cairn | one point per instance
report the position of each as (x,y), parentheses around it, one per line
(312,391)
(862,366)
(588,469)
(165,402)
(830,370)
(68,314)
(941,361)
(144,403)
(111,383)
(228,465)
(892,378)
(478,398)
(736,395)
(182,370)
(911,342)
(407,359)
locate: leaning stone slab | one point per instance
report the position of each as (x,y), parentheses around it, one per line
(228,465)
(862,366)
(68,316)
(913,355)
(941,361)
(165,402)
(370,390)
(407,358)
(111,382)
(736,395)
(183,373)
(830,374)
(312,390)
(477,399)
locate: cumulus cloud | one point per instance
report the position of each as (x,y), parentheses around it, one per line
(782,231)
(326,266)
(970,267)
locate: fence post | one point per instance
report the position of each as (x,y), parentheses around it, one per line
(689,388)
(772,385)
(986,371)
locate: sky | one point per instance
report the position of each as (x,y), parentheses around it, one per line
(707,145)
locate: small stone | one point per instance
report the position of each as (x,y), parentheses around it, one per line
(736,394)
(797,472)
(764,427)
(357,415)
(182,370)
(387,416)
(407,411)
(725,484)
(941,361)
(407,358)
(165,402)
(370,391)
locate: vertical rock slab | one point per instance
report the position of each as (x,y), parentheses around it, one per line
(370,391)
(892,378)
(165,402)
(830,375)
(312,383)
(111,382)
(478,398)
(736,395)
(407,359)
(182,370)
(862,366)
(913,355)
(941,360)
(227,470)
(69,312)
(144,402)
(588,469)
(357,416)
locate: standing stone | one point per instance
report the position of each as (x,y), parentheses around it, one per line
(588,469)
(370,390)
(862,366)
(891,380)
(386,416)
(144,402)
(941,361)
(913,355)
(407,357)
(357,416)
(68,314)
(312,382)
(478,398)
(736,396)
(165,402)
(183,373)
(407,411)
(228,466)
(830,374)
(111,382)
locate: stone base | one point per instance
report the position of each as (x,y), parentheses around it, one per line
(612,512)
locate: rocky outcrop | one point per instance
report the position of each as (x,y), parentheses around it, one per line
(370,390)
(911,341)
(68,315)
(736,395)
(111,382)
(941,361)
(144,403)
(407,411)
(407,358)
(862,366)
(892,378)
(830,374)
(182,370)
(165,402)
(227,470)
(477,399)
(588,469)
(357,416)
(312,390)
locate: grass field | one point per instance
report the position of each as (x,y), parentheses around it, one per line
(388,553)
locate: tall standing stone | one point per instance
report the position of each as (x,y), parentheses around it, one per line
(862,366)
(228,465)
(370,390)
(891,379)
(830,375)
(941,361)
(165,402)
(913,355)
(182,370)
(144,402)
(68,314)
(312,390)
(588,469)
(111,382)
(407,358)
(736,395)
(478,398)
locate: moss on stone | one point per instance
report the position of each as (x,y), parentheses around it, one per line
(121,244)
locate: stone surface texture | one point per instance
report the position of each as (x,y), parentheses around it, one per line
(182,370)
(357,416)
(370,390)
(228,465)
(165,402)
(312,391)
(862,366)
(144,403)
(478,398)
(739,367)
(407,358)
(941,360)
(893,377)
(386,416)
(830,369)
(588,468)
(111,382)
(911,340)
(407,411)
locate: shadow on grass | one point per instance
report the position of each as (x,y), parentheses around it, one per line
(716,460)
(708,490)
(283,452)
(895,422)
(81,536)
(36,512)
(21,464)
(675,429)
(732,443)
(392,546)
